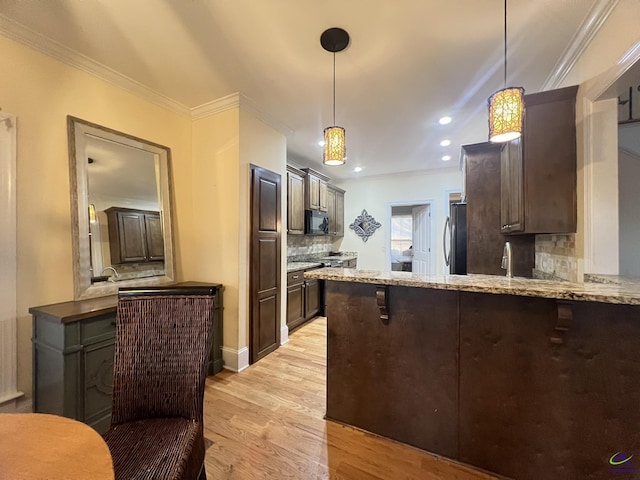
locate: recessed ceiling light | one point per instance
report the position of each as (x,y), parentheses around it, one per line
(446,158)
(445,143)
(321,143)
(445,120)
(357,169)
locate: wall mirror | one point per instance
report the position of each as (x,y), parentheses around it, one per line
(120,208)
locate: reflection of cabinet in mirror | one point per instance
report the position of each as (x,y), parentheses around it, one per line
(134,235)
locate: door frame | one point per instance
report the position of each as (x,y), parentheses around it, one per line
(8,265)
(407,203)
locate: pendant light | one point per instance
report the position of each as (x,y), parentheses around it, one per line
(506,106)
(335,149)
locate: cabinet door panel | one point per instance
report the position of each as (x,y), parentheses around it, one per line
(313,192)
(295,204)
(132,237)
(98,380)
(339,214)
(295,305)
(511,187)
(312,298)
(331,210)
(322,196)
(155,241)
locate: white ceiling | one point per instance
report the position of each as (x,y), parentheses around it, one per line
(409,63)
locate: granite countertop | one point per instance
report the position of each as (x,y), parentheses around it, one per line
(612,279)
(628,294)
(296,266)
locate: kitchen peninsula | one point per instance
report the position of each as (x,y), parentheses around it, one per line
(526,378)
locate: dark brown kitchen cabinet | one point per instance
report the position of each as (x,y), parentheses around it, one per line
(511,206)
(295,201)
(538,175)
(485,241)
(303,299)
(295,299)
(315,189)
(135,236)
(311,298)
(335,210)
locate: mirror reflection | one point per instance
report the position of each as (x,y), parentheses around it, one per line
(121,204)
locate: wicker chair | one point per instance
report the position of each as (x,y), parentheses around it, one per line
(163,340)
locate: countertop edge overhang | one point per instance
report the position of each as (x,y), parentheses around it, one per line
(624,294)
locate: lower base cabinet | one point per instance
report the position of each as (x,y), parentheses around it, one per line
(73,354)
(304,298)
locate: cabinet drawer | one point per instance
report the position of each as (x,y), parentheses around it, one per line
(295,277)
(98,329)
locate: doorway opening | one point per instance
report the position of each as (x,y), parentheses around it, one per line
(409,239)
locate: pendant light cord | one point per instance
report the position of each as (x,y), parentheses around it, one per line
(334,89)
(505,46)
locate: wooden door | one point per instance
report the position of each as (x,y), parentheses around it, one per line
(264,324)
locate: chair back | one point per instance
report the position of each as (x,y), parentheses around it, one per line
(163,343)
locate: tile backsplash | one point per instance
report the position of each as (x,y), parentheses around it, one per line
(298,245)
(556,257)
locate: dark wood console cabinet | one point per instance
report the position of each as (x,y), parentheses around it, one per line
(73,351)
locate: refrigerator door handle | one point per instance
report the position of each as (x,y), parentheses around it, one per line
(447,255)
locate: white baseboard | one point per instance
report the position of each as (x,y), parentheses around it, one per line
(235,360)
(284,335)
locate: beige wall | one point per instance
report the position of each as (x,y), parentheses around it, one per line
(264,147)
(375,194)
(596,241)
(41,92)
(224,146)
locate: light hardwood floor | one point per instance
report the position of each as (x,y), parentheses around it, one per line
(267,423)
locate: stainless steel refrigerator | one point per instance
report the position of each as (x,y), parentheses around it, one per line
(455,239)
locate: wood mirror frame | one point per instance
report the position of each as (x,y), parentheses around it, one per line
(78,130)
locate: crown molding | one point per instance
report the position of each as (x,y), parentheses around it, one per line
(593,21)
(22,34)
(239,100)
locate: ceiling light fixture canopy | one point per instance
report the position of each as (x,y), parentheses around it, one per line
(506,106)
(335,148)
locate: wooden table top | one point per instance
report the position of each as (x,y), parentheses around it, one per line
(41,446)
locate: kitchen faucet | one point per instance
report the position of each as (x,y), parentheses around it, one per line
(115,273)
(507,260)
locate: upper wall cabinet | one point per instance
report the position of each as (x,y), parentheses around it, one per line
(315,190)
(134,236)
(335,210)
(538,174)
(295,201)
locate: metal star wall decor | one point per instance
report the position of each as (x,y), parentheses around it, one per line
(364,225)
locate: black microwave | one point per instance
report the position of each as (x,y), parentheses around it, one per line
(316,223)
